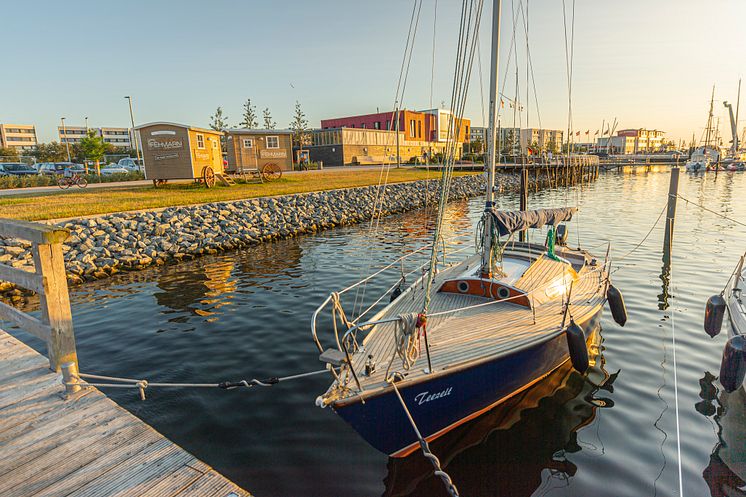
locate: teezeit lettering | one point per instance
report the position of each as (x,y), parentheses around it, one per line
(423,397)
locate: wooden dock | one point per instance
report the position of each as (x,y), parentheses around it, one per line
(87,445)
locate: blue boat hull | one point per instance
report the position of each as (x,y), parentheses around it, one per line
(443,402)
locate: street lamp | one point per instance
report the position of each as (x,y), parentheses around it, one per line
(65,137)
(86,125)
(132,120)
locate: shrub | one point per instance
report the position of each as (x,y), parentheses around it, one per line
(7,182)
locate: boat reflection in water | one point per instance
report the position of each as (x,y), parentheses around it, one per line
(525,435)
(726,473)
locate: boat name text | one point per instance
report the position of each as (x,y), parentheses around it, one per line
(424,397)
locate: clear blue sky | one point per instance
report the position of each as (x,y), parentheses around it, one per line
(648,63)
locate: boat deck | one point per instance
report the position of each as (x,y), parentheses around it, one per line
(86,446)
(490,330)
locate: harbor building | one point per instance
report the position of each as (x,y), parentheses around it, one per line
(118,137)
(21,137)
(256,148)
(372,138)
(545,140)
(633,141)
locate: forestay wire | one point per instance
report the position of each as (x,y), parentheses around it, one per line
(471,12)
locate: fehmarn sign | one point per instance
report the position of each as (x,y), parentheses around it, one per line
(165,143)
(272,154)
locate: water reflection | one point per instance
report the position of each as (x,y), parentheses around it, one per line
(531,434)
(726,473)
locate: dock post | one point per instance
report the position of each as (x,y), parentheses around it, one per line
(673,191)
(55,304)
(70,378)
(524,199)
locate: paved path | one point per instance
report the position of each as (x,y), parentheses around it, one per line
(36,190)
(86,447)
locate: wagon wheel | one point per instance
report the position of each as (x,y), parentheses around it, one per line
(271,172)
(159,182)
(208,176)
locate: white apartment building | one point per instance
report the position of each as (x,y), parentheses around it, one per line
(633,141)
(546,139)
(19,136)
(119,137)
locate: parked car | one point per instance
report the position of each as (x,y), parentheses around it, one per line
(131,165)
(74,169)
(49,168)
(114,169)
(16,169)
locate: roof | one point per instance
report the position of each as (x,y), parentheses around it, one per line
(248,131)
(185,126)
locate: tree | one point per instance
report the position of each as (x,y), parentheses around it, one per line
(50,152)
(268,122)
(249,115)
(299,126)
(92,147)
(218,121)
(9,153)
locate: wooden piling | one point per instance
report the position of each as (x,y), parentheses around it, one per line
(673,191)
(524,199)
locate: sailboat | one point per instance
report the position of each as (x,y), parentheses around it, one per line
(706,157)
(466,336)
(731,299)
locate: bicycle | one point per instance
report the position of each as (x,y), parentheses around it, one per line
(66,182)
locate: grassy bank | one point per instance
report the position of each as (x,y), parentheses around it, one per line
(76,203)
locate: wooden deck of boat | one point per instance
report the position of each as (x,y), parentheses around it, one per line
(87,446)
(471,334)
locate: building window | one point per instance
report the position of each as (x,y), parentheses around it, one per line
(273,142)
(412,128)
(362,125)
(377,125)
(419,129)
(248,143)
(200,141)
(388,124)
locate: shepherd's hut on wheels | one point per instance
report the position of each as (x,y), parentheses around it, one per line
(179,151)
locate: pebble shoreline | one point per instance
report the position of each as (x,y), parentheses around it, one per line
(104,245)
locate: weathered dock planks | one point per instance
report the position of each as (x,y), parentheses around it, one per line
(87,446)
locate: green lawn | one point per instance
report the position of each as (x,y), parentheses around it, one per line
(75,203)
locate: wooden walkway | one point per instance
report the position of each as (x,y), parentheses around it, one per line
(87,446)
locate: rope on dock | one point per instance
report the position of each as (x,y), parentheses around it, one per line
(141,384)
(450,486)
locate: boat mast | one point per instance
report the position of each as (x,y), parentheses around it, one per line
(709,122)
(491,140)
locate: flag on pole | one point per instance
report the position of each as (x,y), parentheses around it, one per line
(594,134)
(502,103)
(577,134)
(587,132)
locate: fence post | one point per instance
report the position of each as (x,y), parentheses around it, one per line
(55,304)
(673,191)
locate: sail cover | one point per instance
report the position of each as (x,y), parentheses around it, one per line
(508,222)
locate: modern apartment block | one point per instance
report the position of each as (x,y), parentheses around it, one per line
(19,136)
(372,138)
(633,141)
(547,140)
(119,137)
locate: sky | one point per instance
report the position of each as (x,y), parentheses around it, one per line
(645,63)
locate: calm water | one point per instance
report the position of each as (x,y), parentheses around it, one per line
(247,314)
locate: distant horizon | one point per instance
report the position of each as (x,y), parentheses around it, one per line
(635,62)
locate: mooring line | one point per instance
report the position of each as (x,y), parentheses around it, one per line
(676,387)
(450,486)
(711,211)
(141,384)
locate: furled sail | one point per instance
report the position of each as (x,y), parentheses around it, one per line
(508,222)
